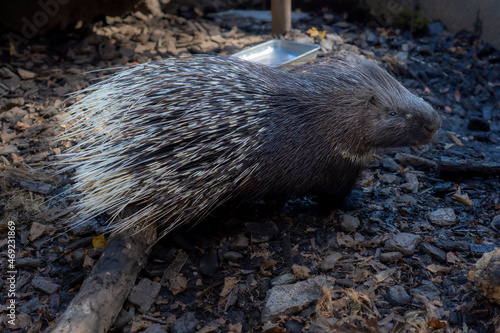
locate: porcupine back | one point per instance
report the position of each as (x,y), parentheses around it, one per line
(178,137)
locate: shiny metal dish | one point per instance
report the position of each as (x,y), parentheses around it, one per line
(277,52)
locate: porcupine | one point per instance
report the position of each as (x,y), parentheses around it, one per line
(179,137)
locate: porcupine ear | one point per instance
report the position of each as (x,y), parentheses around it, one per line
(372,101)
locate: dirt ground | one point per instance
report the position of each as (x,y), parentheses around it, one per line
(398,263)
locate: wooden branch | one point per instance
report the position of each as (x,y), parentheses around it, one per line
(467,168)
(103,293)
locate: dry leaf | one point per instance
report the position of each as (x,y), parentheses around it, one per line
(457,95)
(464,198)
(229,284)
(436,323)
(447,109)
(98,242)
(451,257)
(178,284)
(455,140)
(437,268)
(36,230)
(88,262)
(301,272)
(427,91)
(235,328)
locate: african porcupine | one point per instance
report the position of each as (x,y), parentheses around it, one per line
(181,136)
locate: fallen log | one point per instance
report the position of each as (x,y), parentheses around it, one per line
(102,294)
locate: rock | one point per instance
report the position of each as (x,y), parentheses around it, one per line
(286,278)
(45,285)
(290,299)
(6,73)
(411,184)
(434,252)
(388,178)
(238,243)
(30,306)
(29,262)
(26,75)
(155,328)
(390,256)
(144,294)
(8,149)
(495,222)
(417,162)
(349,223)
(345,283)
(478,124)
(407,199)
(397,296)
(480,249)
(403,242)
(428,289)
(185,324)
(13,115)
(486,275)
(330,261)
(443,217)
(390,164)
(233,256)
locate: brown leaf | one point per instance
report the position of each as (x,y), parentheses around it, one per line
(457,95)
(36,230)
(98,242)
(178,284)
(301,272)
(463,198)
(451,257)
(229,284)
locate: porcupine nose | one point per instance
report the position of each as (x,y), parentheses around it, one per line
(433,123)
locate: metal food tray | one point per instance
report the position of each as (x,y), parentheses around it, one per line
(277,52)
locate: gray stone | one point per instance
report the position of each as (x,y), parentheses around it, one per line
(349,223)
(233,256)
(30,306)
(29,262)
(329,262)
(286,278)
(390,256)
(411,184)
(185,324)
(144,294)
(390,164)
(428,289)
(293,298)
(397,295)
(155,328)
(45,285)
(238,243)
(443,217)
(434,252)
(388,178)
(403,242)
(26,75)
